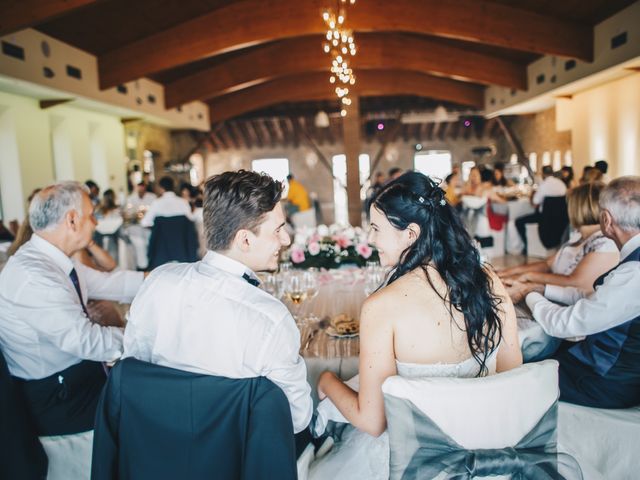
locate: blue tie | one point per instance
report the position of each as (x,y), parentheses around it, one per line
(251,280)
(76,283)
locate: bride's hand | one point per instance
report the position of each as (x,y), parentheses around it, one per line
(325,377)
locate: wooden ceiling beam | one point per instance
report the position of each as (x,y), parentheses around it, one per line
(369,83)
(238,25)
(19,14)
(393,50)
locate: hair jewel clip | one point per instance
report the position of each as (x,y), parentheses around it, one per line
(421,199)
(443,202)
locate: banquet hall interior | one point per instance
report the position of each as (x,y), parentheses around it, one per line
(525,116)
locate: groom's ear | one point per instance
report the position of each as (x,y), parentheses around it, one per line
(241,240)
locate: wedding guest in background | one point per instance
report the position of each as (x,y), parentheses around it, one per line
(297,197)
(441,313)
(567,176)
(394,172)
(453,187)
(210,317)
(549,187)
(603,167)
(168,204)
(577,263)
(602,370)
(473,186)
(94,192)
(140,197)
(499,180)
(52,349)
(591,175)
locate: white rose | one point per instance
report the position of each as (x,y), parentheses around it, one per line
(323,230)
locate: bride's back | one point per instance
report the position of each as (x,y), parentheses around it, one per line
(424,330)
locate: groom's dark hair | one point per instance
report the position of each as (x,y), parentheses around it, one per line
(235,201)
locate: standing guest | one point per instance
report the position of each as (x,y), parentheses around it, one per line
(592,175)
(603,370)
(297,197)
(141,198)
(373,190)
(168,204)
(52,349)
(453,188)
(94,192)
(549,187)
(602,166)
(209,316)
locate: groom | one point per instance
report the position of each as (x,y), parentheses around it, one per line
(210,317)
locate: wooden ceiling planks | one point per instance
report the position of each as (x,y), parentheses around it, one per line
(18,14)
(240,24)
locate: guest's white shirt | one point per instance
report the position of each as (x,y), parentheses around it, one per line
(549,187)
(43,328)
(136,202)
(613,303)
(204,317)
(168,205)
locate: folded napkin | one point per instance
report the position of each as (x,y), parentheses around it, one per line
(327,411)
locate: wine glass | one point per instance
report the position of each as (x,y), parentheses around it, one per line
(270,284)
(295,292)
(372,280)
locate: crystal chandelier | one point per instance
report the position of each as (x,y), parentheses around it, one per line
(339,45)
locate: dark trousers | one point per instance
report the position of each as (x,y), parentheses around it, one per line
(521,225)
(65,402)
(582,386)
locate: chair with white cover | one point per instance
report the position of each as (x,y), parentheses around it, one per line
(463,428)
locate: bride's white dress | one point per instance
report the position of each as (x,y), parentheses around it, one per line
(361,456)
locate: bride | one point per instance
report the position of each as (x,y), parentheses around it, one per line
(441,313)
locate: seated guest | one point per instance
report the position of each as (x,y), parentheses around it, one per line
(591,175)
(52,348)
(499,180)
(441,313)
(210,317)
(474,183)
(602,166)
(603,370)
(576,264)
(168,204)
(549,187)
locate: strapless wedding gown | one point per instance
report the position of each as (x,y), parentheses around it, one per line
(360,456)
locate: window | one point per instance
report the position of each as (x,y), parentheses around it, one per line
(276,168)
(340,200)
(434,163)
(533,161)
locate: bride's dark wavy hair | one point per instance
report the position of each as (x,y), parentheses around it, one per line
(444,243)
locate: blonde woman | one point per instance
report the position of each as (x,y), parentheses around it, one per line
(576,264)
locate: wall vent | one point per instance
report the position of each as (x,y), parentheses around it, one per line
(11,50)
(74,72)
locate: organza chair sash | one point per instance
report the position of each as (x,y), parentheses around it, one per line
(438,456)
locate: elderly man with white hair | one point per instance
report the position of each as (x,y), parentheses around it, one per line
(603,369)
(53,351)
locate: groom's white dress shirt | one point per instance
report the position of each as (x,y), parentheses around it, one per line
(615,302)
(43,328)
(204,317)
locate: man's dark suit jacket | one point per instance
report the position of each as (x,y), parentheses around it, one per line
(173,239)
(159,423)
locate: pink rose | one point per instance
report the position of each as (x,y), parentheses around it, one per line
(314,248)
(314,238)
(297,255)
(363,250)
(342,241)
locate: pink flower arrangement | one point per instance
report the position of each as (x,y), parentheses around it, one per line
(364,250)
(313,248)
(342,241)
(297,255)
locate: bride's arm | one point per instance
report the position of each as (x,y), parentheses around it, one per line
(365,410)
(509,353)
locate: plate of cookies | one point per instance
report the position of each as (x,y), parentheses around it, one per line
(343,326)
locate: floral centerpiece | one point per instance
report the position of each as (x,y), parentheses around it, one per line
(331,247)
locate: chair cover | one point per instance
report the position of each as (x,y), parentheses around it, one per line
(554,220)
(463,428)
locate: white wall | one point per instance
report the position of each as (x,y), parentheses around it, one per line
(605,125)
(39,147)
